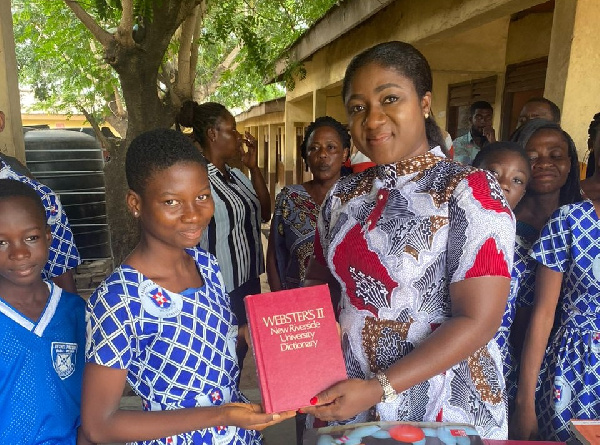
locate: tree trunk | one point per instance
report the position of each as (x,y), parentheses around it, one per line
(145,112)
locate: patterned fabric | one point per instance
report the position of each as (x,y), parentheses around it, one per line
(179,349)
(233,234)
(570,376)
(395,237)
(63,252)
(41,367)
(295,221)
(522,279)
(465,149)
(526,236)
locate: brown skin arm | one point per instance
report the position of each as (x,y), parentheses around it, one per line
(272,273)
(317,274)
(66,281)
(250,160)
(524,424)
(102,421)
(477,308)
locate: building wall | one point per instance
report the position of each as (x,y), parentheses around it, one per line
(466,40)
(11,137)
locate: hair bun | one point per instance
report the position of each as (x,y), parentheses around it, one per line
(185,117)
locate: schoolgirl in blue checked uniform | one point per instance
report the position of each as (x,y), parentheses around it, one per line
(162,320)
(509,163)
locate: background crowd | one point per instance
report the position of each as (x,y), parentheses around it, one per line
(482,254)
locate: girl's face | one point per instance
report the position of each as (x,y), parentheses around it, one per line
(24,242)
(512,172)
(325,154)
(548,153)
(176,205)
(385,115)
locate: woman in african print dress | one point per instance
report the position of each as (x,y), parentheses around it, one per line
(421,248)
(324,149)
(567,289)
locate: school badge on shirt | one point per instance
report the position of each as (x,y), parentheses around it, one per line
(64,356)
(158,301)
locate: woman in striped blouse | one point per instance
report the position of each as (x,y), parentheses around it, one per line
(233,234)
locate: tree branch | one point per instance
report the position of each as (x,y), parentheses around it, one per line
(94,123)
(125,29)
(104,37)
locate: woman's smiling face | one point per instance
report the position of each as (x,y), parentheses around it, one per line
(385,115)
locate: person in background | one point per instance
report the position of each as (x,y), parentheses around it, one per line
(64,256)
(42,329)
(539,108)
(481,116)
(233,234)
(422,250)
(162,319)
(324,149)
(509,162)
(560,363)
(554,182)
(591,185)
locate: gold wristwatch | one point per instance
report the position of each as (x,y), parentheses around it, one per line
(389,393)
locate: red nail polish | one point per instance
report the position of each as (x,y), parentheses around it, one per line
(300,411)
(313,401)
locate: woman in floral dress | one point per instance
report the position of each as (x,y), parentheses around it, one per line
(421,248)
(325,148)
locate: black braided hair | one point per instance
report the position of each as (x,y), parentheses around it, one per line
(201,117)
(592,133)
(407,61)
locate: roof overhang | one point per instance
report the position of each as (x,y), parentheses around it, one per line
(340,19)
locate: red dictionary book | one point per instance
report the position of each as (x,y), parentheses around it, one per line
(296,345)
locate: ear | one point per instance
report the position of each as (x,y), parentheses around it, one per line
(212,134)
(345,155)
(426,103)
(48,234)
(134,203)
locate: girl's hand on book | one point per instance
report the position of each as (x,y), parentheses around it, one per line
(345,399)
(250,416)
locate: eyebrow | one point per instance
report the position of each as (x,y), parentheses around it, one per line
(378,89)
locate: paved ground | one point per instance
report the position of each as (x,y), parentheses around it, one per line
(281,434)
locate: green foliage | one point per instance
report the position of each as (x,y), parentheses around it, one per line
(64,65)
(58,59)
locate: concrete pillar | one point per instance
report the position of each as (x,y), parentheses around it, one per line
(11,129)
(295,112)
(272,167)
(573,66)
(319,104)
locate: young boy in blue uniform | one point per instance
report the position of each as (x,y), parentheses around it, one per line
(42,329)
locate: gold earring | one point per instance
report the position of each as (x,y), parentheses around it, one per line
(426,115)
(135,213)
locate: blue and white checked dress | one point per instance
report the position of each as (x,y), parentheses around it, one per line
(179,349)
(521,292)
(63,253)
(570,377)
